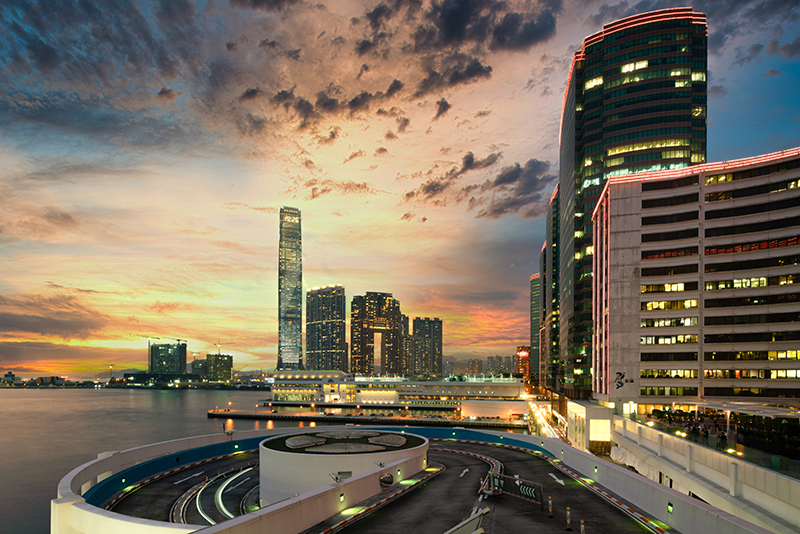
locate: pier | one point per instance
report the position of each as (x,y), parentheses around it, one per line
(372,419)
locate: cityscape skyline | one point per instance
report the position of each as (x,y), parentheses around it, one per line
(421,155)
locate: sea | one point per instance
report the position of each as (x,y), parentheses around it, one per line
(46,433)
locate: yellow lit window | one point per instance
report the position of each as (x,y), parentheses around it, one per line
(698,158)
(630,67)
(683,83)
(698,76)
(698,111)
(592,83)
(614,161)
(646,145)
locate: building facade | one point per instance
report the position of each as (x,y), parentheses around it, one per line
(428,341)
(290,289)
(219,367)
(536,304)
(695,285)
(635,102)
(550,346)
(326,318)
(375,327)
(167,358)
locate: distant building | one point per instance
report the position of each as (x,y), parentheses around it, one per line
(550,347)
(199,367)
(408,348)
(219,367)
(375,326)
(475,367)
(167,358)
(9,377)
(428,335)
(290,289)
(326,318)
(523,362)
(536,302)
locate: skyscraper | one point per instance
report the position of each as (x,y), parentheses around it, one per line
(536,302)
(168,358)
(326,349)
(428,334)
(550,348)
(290,289)
(635,102)
(375,326)
(219,367)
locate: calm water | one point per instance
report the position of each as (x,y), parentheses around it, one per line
(44,434)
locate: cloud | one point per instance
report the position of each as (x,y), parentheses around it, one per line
(347,188)
(402,124)
(456,69)
(330,137)
(515,190)
(441,108)
(437,186)
(354,155)
(250,94)
(243,206)
(380,151)
(717,91)
(390,135)
(772,72)
(407,216)
(60,315)
(788,50)
(167,95)
(743,58)
(163,308)
(264,5)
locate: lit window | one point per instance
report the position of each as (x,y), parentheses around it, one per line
(592,83)
(698,76)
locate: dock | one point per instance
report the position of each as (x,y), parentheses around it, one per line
(372,419)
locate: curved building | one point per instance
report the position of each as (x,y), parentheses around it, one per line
(635,102)
(696,285)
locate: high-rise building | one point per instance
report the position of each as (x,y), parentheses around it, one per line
(290,289)
(550,347)
(474,367)
(536,303)
(428,334)
(635,102)
(408,349)
(167,358)
(523,362)
(696,285)
(326,349)
(375,326)
(219,367)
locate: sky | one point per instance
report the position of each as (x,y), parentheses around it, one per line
(147,147)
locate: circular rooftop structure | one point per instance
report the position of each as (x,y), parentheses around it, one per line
(297,463)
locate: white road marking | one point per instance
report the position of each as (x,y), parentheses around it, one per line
(464,472)
(187,478)
(557,479)
(237,485)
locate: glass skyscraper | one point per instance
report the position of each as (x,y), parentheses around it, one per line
(428,335)
(326,349)
(635,102)
(376,326)
(536,302)
(168,358)
(290,290)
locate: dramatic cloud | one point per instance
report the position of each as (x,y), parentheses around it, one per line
(441,108)
(515,189)
(787,50)
(743,58)
(62,316)
(434,188)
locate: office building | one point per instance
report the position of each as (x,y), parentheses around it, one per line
(474,367)
(551,337)
(536,303)
(219,367)
(696,295)
(290,289)
(167,358)
(428,334)
(522,362)
(635,102)
(375,331)
(326,348)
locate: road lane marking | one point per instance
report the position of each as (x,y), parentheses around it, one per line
(464,472)
(237,485)
(557,479)
(187,478)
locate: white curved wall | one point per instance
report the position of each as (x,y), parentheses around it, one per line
(286,474)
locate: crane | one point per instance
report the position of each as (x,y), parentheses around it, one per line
(219,346)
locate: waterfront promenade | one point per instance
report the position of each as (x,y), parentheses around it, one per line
(372,419)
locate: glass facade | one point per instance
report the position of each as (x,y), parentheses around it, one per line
(326,349)
(168,358)
(536,303)
(376,327)
(290,289)
(626,82)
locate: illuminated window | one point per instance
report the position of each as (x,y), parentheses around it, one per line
(683,83)
(630,67)
(698,111)
(698,76)
(698,158)
(646,145)
(594,82)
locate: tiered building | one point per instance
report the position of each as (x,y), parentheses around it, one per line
(695,287)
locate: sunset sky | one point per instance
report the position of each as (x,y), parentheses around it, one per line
(146,148)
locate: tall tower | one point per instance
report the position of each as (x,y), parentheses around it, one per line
(375,326)
(550,348)
(428,334)
(635,102)
(536,302)
(326,349)
(290,289)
